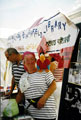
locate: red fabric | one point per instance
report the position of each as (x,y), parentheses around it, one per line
(43,65)
(58,74)
(42,47)
(67,56)
(59,59)
(36,23)
(28,52)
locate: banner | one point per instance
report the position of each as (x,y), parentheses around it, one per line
(58,30)
(60,34)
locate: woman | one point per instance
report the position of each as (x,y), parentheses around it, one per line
(38,86)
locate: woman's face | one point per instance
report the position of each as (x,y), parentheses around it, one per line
(29,61)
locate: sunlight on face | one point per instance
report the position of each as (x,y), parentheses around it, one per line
(29,61)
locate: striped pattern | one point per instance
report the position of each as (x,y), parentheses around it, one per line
(58,74)
(17,71)
(39,83)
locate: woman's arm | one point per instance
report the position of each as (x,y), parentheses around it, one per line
(19,97)
(47,94)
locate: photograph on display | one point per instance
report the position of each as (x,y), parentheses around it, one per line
(70,103)
(75,74)
(79,51)
(72,98)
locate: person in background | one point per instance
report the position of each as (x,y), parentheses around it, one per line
(37,87)
(15,58)
(76,105)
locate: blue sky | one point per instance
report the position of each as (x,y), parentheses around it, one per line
(21,14)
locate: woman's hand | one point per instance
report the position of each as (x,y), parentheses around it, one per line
(41,102)
(46,95)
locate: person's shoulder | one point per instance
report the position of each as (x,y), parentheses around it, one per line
(24,75)
(49,74)
(14,64)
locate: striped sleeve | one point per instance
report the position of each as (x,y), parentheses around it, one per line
(49,78)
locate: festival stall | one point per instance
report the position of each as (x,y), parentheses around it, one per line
(56,36)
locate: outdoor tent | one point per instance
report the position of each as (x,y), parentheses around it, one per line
(60,35)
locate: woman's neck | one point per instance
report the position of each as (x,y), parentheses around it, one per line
(32,71)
